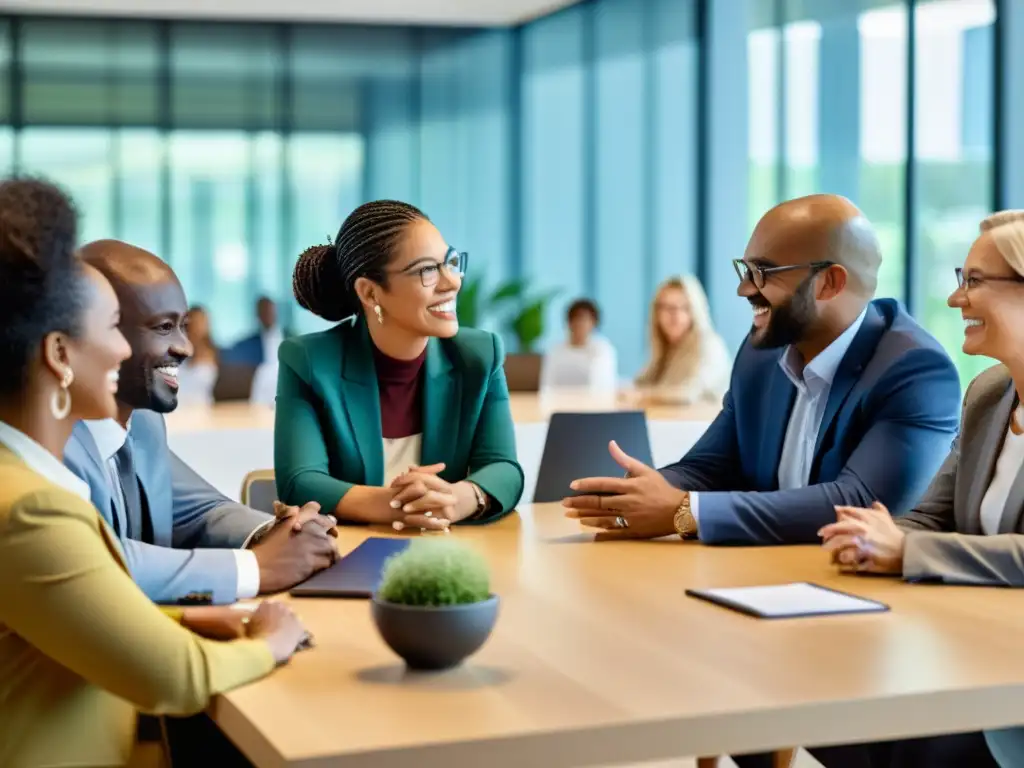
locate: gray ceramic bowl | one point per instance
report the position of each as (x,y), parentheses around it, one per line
(434,637)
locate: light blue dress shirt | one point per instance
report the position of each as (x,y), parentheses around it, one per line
(813,383)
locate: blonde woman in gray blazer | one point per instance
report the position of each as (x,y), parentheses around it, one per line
(969,527)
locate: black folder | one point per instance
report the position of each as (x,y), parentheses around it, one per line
(357,574)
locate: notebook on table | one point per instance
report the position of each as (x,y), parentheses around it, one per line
(788,601)
(357,574)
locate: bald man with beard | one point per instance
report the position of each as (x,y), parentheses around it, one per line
(836,398)
(184,541)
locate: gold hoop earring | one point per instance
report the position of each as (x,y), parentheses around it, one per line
(60,401)
(379,312)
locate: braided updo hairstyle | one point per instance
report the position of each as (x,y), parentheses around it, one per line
(41,276)
(325,275)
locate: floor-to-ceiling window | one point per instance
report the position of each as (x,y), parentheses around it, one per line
(215,146)
(888,103)
(953,136)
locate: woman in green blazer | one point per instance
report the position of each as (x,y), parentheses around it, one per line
(397,417)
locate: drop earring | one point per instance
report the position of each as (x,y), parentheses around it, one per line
(379,312)
(60,401)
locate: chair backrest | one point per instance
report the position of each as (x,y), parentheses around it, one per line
(259,490)
(234,382)
(576,445)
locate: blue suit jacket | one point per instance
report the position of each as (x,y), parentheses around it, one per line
(248,351)
(891,416)
(194,527)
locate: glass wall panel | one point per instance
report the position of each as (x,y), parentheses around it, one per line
(81,160)
(209,171)
(325,177)
(225,76)
(953,131)
(139,193)
(89,72)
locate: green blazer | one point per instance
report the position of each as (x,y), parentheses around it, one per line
(327,432)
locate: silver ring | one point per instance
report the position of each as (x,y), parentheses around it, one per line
(621,522)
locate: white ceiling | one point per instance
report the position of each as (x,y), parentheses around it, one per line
(440,12)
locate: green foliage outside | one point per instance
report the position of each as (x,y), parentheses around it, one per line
(435,572)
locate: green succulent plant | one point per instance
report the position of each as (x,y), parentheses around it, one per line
(435,572)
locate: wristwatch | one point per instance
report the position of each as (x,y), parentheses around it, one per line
(683,521)
(481,501)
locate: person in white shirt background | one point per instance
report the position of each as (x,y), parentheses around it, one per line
(586,361)
(689,362)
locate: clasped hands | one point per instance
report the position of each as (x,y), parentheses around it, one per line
(421,498)
(865,540)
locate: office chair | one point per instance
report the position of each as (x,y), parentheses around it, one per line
(259,490)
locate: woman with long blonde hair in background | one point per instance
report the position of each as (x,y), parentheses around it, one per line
(689,362)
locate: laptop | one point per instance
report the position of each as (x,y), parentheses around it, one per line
(522,372)
(577,446)
(357,574)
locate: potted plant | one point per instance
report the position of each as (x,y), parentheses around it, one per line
(434,606)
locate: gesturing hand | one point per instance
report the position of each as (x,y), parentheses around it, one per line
(642,505)
(865,540)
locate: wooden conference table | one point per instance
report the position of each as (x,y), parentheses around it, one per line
(598,658)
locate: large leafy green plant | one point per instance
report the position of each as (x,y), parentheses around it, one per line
(522,311)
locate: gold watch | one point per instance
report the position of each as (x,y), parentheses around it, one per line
(683,521)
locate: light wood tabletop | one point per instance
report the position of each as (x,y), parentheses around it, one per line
(526,408)
(598,658)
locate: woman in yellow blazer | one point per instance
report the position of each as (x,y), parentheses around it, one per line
(81,647)
(398,417)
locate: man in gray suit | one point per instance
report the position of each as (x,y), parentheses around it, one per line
(184,541)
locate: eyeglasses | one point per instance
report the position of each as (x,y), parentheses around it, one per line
(454,261)
(758,274)
(977,279)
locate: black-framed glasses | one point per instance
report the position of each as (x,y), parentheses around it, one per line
(454,261)
(758,274)
(976,279)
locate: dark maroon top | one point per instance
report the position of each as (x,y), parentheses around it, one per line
(401,394)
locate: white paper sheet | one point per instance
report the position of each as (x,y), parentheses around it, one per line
(797,599)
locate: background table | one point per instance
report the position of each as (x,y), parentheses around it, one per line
(229,440)
(598,658)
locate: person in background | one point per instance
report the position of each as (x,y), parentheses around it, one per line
(964,531)
(262,346)
(198,375)
(689,361)
(182,539)
(82,649)
(398,417)
(586,361)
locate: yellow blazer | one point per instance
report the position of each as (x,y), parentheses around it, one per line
(81,647)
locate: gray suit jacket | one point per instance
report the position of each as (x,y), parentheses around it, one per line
(944,538)
(194,527)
